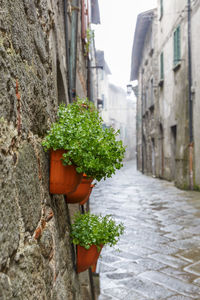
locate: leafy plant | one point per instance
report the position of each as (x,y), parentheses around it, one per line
(90,229)
(89,37)
(93,149)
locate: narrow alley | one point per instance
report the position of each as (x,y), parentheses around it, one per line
(158,257)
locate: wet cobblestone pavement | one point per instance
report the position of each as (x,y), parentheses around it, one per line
(159,254)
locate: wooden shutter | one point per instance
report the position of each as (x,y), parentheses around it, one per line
(161,8)
(177,45)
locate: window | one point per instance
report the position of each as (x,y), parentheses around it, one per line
(103,102)
(161,66)
(177,46)
(161,9)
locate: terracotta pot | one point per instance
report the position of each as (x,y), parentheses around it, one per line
(88,196)
(87,258)
(63,179)
(82,192)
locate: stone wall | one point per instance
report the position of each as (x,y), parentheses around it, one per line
(36,257)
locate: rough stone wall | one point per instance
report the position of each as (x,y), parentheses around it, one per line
(139,123)
(36,259)
(148,105)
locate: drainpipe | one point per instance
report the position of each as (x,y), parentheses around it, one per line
(137,128)
(67,49)
(190,104)
(73,48)
(89,81)
(142,129)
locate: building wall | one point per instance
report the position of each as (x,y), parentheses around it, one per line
(195,28)
(121,116)
(148,105)
(173,94)
(36,257)
(167,124)
(103,83)
(139,120)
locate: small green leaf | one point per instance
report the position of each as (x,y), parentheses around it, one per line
(89,229)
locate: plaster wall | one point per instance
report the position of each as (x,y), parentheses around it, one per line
(195,27)
(173,93)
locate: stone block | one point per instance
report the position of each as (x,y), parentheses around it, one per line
(27,183)
(5,287)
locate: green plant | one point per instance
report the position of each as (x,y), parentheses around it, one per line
(89,229)
(89,37)
(93,149)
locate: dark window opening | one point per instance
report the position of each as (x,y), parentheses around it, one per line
(60,86)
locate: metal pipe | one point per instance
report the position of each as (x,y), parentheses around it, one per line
(67,50)
(142,125)
(89,82)
(73,48)
(69,224)
(91,284)
(190,104)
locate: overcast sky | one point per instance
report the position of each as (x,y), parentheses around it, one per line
(116,32)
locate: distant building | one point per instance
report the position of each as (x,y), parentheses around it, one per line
(103,73)
(116,109)
(144,69)
(168,126)
(122,114)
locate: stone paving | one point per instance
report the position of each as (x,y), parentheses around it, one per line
(158,257)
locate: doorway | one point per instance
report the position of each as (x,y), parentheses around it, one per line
(173,151)
(161,151)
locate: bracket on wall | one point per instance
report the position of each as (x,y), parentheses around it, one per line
(75,8)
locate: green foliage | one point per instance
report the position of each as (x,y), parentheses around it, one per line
(89,37)
(79,130)
(89,229)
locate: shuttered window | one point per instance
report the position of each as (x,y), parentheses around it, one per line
(177,45)
(162,66)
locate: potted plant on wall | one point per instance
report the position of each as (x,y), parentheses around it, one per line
(90,233)
(83,191)
(79,137)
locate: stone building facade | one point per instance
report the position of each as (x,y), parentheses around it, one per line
(169,138)
(37,260)
(145,70)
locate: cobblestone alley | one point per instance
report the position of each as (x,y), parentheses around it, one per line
(159,255)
